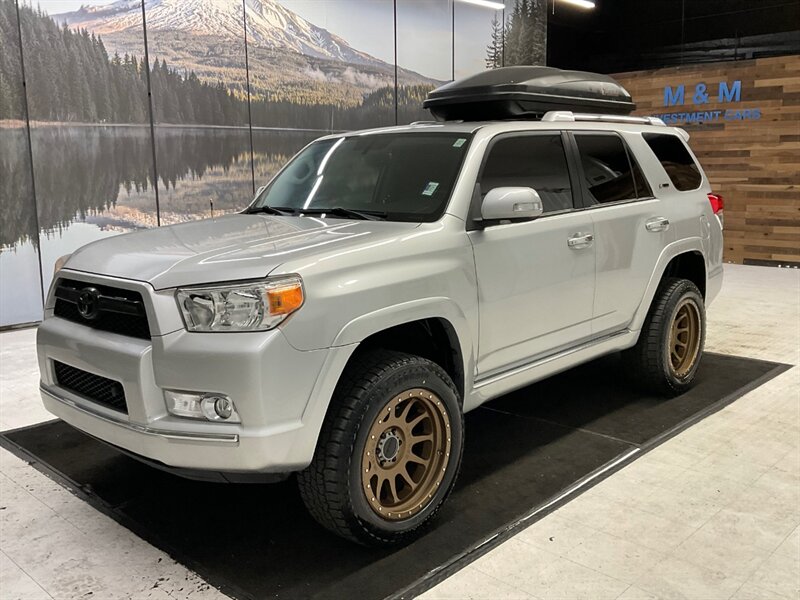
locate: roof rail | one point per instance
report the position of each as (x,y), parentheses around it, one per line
(566,115)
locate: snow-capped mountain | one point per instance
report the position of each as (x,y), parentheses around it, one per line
(270,25)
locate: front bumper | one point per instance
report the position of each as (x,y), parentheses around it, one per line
(280,393)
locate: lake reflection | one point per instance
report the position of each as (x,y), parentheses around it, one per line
(97,181)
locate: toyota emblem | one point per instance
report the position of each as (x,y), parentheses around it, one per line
(88,301)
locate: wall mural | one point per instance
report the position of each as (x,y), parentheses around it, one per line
(238,86)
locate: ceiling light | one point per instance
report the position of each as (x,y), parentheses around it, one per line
(581,3)
(486,4)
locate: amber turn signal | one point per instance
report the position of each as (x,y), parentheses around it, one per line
(285,299)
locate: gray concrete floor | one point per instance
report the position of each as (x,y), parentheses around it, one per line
(712,513)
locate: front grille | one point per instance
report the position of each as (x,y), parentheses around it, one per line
(108,308)
(93,387)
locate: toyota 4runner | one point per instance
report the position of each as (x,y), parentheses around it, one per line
(384,283)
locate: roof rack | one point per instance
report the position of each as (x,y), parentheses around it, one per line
(566,115)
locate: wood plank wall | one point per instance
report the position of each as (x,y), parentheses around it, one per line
(754,164)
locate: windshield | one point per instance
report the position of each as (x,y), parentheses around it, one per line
(394,176)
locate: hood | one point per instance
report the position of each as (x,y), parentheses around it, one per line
(229,248)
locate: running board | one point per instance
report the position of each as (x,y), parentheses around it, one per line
(517,377)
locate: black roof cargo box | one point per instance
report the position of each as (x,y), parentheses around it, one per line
(527,92)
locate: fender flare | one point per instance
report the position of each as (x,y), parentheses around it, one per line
(683,246)
(356,331)
(437,307)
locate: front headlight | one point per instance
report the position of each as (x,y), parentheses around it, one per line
(253,306)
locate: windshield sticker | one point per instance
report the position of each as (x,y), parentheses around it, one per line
(459,142)
(430,188)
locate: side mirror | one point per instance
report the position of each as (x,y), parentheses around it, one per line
(507,203)
(259,190)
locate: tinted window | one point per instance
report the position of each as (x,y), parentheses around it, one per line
(407,176)
(611,173)
(676,160)
(534,161)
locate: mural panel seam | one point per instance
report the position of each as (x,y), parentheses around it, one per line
(30,154)
(249,108)
(150,109)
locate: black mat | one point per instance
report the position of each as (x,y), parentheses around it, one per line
(522,451)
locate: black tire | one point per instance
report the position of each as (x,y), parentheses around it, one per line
(650,360)
(331,486)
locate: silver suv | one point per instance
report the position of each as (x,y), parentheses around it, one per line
(384,283)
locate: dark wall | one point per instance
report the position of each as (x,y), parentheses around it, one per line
(626,35)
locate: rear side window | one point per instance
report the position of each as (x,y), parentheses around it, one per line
(610,170)
(676,160)
(534,161)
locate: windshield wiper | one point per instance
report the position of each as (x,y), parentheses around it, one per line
(271,210)
(340,211)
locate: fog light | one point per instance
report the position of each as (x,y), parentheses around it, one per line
(217,408)
(200,405)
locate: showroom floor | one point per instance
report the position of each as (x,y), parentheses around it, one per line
(712,513)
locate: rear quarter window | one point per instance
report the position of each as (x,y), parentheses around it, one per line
(681,168)
(610,171)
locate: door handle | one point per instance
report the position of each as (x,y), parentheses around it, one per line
(657,224)
(580,240)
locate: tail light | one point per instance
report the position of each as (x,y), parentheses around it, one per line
(717,205)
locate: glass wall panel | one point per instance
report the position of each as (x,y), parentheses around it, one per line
(199,81)
(525,40)
(424,53)
(20,285)
(321,64)
(314,66)
(90,134)
(202,171)
(475,25)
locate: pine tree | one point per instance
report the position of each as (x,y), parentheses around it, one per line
(525,35)
(512,35)
(72,78)
(6,108)
(537,32)
(525,26)
(494,51)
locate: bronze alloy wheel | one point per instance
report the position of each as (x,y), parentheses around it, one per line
(406,454)
(389,450)
(667,354)
(684,338)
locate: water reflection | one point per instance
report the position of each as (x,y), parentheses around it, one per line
(96,181)
(17,211)
(20,286)
(199,166)
(20,292)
